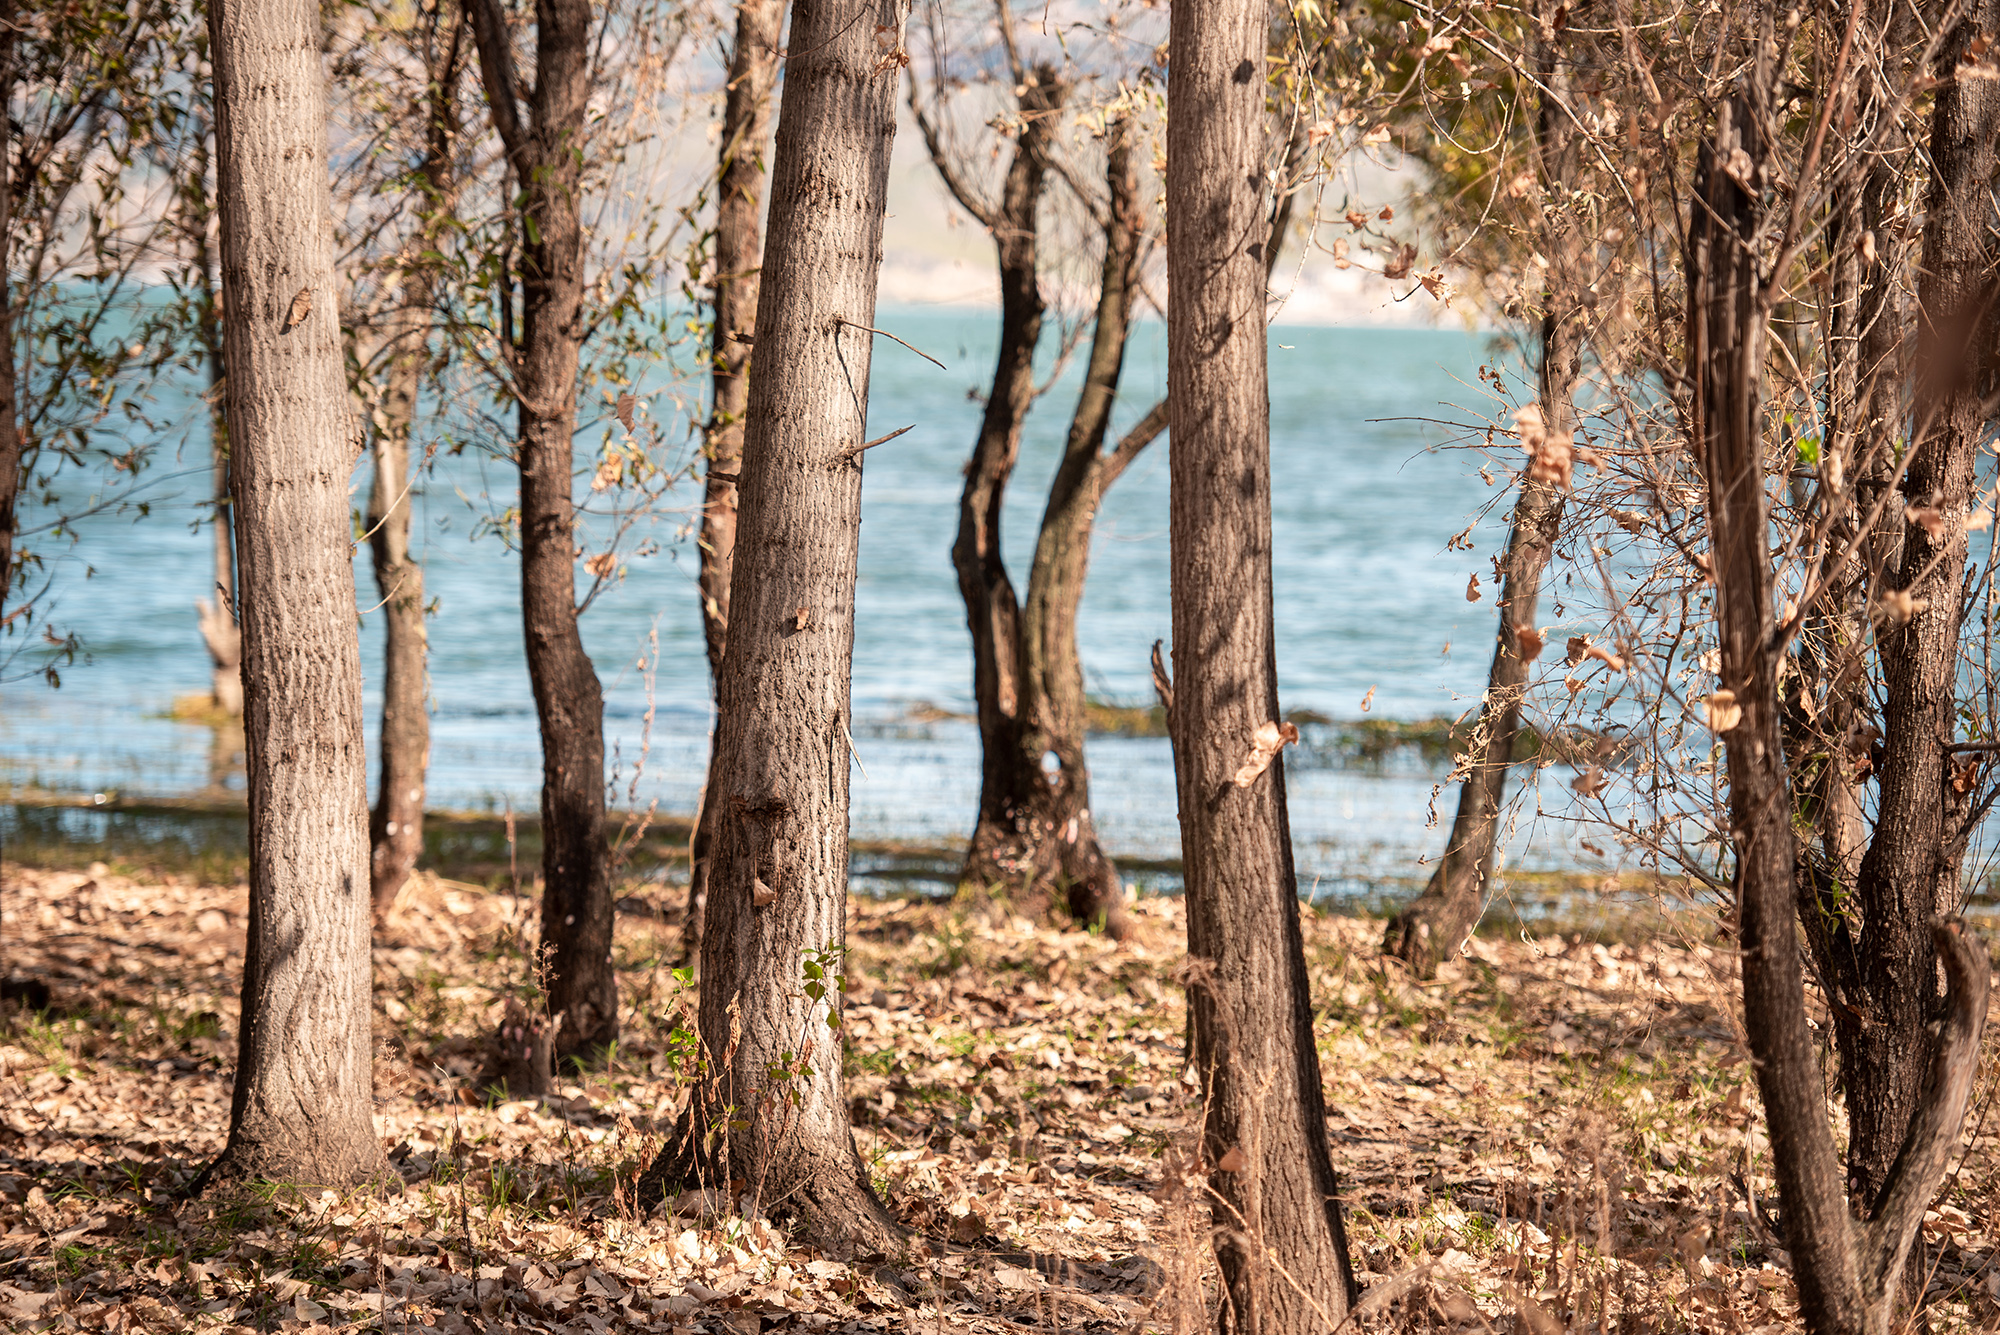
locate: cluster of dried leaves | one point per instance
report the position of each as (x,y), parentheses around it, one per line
(1553,1134)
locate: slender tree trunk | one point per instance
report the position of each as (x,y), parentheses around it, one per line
(10,408)
(739,252)
(1278,1231)
(303,1098)
(543,151)
(1912,868)
(1438,921)
(773,1113)
(1053,722)
(217,621)
(1010,833)
(1848,1271)
(396,824)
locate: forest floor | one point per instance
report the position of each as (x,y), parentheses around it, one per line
(1556,1134)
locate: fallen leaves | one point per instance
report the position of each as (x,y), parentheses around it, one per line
(1265,743)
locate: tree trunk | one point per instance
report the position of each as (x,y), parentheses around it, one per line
(10,408)
(217,621)
(1439,920)
(1912,868)
(569,701)
(1064,848)
(1847,1271)
(1010,836)
(1279,1237)
(739,250)
(773,1112)
(396,824)
(303,1098)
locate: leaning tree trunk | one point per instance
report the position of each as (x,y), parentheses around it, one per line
(739,251)
(1913,865)
(1847,1270)
(543,152)
(1278,1232)
(301,1111)
(777,912)
(1438,921)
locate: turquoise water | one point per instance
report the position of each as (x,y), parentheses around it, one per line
(1369,487)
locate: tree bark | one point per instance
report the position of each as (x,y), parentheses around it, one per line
(1439,920)
(1911,871)
(216,621)
(10,408)
(739,250)
(1279,1237)
(303,1097)
(543,152)
(396,824)
(1847,1271)
(772,1115)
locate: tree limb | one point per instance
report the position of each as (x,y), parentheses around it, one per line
(496,71)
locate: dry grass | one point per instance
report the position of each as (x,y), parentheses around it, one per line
(1552,1129)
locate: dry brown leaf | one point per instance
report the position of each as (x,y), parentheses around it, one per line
(1472,588)
(1340,260)
(1269,739)
(1630,520)
(623,410)
(1529,641)
(1400,265)
(1723,711)
(1368,700)
(1928,518)
(601,565)
(1233,1160)
(1897,606)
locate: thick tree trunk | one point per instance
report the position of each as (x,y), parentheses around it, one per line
(1439,920)
(1912,868)
(739,251)
(1279,1236)
(303,1098)
(773,1115)
(396,824)
(1848,1272)
(569,701)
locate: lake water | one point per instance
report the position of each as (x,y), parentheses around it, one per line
(1369,487)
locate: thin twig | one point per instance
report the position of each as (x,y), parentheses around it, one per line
(880,440)
(870,329)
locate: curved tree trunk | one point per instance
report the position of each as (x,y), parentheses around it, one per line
(542,151)
(301,1111)
(739,250)
(1912,868)
(1278,1232)
(1056,834)
(1439,920)
(396,824)
(772,1114)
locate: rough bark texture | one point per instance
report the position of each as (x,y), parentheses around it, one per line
(1279,1237)
(772,1114)
(302,1103)
(739,252)
(396,824)
(1848,1272)
(1438,921)
(1912,868)
(543,154)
